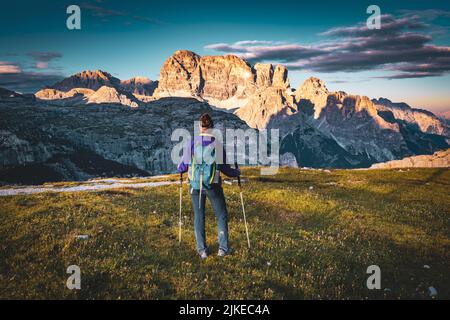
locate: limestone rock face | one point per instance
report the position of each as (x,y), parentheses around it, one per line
(365,128)
(270,96)
(354,123)
(140,86)
(264,74)
(49,94)
(111,95)
(93,80)
(209,77)
(312,96)
(280,77)
(224,77)
(312,148)
(80,96)
(179,75)
(439,159)
(72,97)
(264,106)
(228,82)
(268,76)
(14,150)
(425,120)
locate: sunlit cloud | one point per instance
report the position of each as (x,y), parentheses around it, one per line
(42,65)
(402,47)
(9,68)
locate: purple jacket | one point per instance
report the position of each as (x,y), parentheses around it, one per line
(205,141)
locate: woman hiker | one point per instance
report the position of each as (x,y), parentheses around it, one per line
(205,182)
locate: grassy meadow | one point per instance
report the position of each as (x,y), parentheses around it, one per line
(313,235)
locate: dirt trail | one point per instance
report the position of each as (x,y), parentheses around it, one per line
(92,186)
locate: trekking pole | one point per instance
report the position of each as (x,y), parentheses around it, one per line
(181,198)
(242,203)
(200,192)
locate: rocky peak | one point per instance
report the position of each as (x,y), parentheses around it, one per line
(268,76)
(312,87)
(264,74)
(312,94)
(217,78)
(87,79)
(111,95)
(425,120)
(177,73)
(185,56)
(280,77)
(139,86)
(228,82)
(224,77)
(388,103)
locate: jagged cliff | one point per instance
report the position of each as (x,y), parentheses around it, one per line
(254,93)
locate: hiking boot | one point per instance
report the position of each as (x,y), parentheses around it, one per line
(203,255)
(221,253)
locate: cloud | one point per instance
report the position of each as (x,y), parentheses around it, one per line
(28,82)
(389,25)
(148,20)
(268,51)
(25,78)
(104,13)
(402,47)
(44,56)
(42,65)
(7,67)
(255,42)
(42,59)
(100,11)
(13,77)
(427,14)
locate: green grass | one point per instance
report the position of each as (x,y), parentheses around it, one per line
(307,243)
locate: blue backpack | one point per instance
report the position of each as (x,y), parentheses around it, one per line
(203,166)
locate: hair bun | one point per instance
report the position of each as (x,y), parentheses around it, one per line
(206,121)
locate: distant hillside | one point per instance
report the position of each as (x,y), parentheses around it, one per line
(98,87)
(439,159)
(41,142)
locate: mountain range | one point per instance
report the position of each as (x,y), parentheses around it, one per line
(318,128)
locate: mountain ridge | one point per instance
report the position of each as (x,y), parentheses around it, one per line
(318,127)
